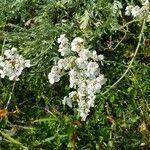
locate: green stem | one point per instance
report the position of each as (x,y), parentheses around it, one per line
(3,46)
(125,25)
(10,95)
(131,62)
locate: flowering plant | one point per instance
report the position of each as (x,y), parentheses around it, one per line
(12,64)
(139,12)
(84,73)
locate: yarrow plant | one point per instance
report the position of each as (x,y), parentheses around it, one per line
(12,64)
(82,66)
(139,12)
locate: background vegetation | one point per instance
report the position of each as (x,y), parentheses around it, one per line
(121,116)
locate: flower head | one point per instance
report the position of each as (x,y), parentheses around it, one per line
(77,44)
(12,64)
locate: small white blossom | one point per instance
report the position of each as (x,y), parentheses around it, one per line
(2,63)
(63,47)
(73,94)
(54,75)
(145,2)
(92,69)
(81,63)
(73,78)
(85,54)
(61,63)
(77,44)
(128,10)
(82,88)
(139,12)
(96,57)
(136,11)
(7,53)
(12,64)
(27,63)
(2,75)
(63,51)
(67,100)
(62,40)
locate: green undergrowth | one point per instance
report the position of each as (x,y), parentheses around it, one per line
(120,119)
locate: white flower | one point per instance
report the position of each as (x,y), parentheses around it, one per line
(7,53)
(12,64)
(91,99)
(145,2)
(73,95)
(2,75)
(27,63)
(83,109)
(62,40)
(94,86)
(1,58)
(13,50)
(2,63)
(128,10)
(65,63)
(61,63)
(53,78)
(54,75)
(136,11)
(70,99)
(63,47)
(140,12)
(67,100)
(77,44)
(81,63)
(82,88)
(90,88)
(63,50)
(73,78)
(96,57)
(92,69)
(85,54)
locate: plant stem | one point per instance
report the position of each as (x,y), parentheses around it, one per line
(3,46)
(125,25)
(10,95)
(131,62)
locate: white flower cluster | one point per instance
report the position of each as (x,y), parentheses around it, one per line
(139,12)
(12,64)
(84,74)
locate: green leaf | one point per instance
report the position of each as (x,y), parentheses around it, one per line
(12,140)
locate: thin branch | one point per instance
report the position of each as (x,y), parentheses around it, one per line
(125,34)
(125,25)
(131,62)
